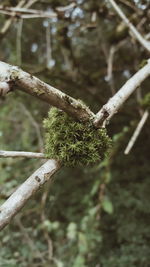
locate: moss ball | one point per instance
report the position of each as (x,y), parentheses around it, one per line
(72,142)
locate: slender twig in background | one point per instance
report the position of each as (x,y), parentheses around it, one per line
(35,125)
(29,16)
(29,241)
(19,10)
(18,199)
(66,8)
(136,132)
(101,196)
(23,10)
(109,56)
(48,46)
(147,36)
(132,28)
(131,5)
(110,69)
(139,99)
(18,42)
(8,22)
(21,154)
(43,219)
(114,104)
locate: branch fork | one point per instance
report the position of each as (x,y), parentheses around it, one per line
(33,86)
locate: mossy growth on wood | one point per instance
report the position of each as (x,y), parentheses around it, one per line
(146,101)
(73,142)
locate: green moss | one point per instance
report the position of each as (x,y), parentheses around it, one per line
(73,142)
(146,101)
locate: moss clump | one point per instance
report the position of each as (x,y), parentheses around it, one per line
(73,142)
(146,101)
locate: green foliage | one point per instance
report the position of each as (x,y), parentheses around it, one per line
(73,142)
(125,232)
(146,101)
(107,205)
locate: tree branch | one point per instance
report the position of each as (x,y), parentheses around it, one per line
(133,29)
(122,95)
(18,199)
(30,84)
(136,132)
(8,22)
(21,154)
(34,86)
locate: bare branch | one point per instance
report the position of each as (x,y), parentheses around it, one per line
(49,58)
(18,199)
(34,86)
(66,8)
(8,22)
(110,69)
(34,124)
(26,13)
(122,95)
(132,28)
(18,42)
(13,11)
(136,133)
(21,154)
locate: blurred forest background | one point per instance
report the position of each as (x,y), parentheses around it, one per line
(99,216)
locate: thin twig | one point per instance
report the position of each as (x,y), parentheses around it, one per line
(21,154)
(48,46)
(43,219)
(18,42)
(65,8)
(8,22)
(35,125)
(26,13)
(132,28)
(110,69)
(139,99)
(131,5)
(29,241)
(136,132)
